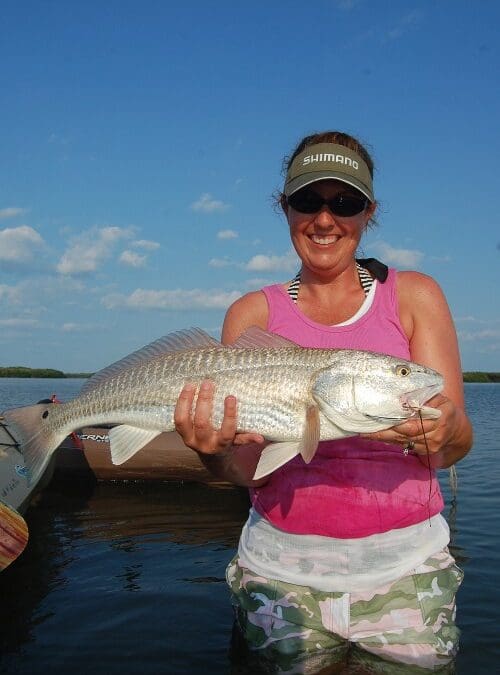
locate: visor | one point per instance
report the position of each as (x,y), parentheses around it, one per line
(329,160)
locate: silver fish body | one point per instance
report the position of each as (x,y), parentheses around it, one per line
(293,396)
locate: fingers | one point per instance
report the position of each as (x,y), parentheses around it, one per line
(228,427)
(420,436)
(202,423)
(409,430)
(196,428)
(182,412)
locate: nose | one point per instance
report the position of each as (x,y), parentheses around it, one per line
(325,218)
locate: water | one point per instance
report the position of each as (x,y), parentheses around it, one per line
(129,578)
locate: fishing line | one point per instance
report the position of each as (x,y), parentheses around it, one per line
(428,466)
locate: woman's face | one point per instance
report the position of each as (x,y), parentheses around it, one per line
(323,241)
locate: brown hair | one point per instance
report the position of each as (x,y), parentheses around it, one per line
(338,137)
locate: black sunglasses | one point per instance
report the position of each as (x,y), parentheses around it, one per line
(308,201)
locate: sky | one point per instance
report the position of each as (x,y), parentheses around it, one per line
(142,142)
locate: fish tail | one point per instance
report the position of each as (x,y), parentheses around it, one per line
(37,440)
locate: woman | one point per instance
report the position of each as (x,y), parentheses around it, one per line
(348,553)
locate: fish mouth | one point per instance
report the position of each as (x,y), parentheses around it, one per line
(414,400)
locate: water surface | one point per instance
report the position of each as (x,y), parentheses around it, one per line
(129,578)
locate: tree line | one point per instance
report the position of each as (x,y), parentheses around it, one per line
(481,377)
(22,371)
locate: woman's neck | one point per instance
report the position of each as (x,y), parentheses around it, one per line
(345,278)
(330,298)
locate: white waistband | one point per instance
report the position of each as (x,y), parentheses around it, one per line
(330,564)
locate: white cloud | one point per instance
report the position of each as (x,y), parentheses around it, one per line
(465,318)
(36,296)
(261,263)
(256,283)
(402,26)
(80,327)
(11,212)
(18,323)
(132,259)
(145,244)
(486,334)
(401,257)
(58,139)
(171,299)
(10,294)
(112,233)
(19,244)
(222,262)
(473,319)
(88,250)
(441,259)
(482,334)
(207,204)
(273,263)
(227,234)
(71,327)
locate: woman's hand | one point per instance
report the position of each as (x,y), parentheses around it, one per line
(196,428)
(436,438)
(427,322)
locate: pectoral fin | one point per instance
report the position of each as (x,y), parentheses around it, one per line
(277,454)
(274,456)
(126,440)
(310,437)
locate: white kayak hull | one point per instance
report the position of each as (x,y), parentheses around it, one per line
(15,489)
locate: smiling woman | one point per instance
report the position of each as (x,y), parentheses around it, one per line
(347,535)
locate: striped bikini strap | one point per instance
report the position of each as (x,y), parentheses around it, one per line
(293,288)
(365,279)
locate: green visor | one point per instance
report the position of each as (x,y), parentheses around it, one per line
(329,160)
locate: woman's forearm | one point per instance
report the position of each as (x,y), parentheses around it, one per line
(236,465)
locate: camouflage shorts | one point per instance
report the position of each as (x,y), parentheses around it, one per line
(404,627)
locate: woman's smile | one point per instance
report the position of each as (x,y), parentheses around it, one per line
(324,239)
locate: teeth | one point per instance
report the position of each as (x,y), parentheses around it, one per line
(324,240)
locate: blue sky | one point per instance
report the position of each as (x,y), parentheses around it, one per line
(141,144)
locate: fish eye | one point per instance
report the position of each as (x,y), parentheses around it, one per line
(45,414)
(403,370)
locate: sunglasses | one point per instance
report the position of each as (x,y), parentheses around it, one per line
(345,205)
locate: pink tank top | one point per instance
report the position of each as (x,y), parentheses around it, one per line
(353,487)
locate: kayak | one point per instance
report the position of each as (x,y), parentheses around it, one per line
(16,489)
(86,453)
(165,458)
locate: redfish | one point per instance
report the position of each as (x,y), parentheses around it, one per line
(293,396)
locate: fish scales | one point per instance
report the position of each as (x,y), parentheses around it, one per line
(289,394)
(272,386)
(254,376)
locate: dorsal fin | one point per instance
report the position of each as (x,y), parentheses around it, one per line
(192,338)
(255,337)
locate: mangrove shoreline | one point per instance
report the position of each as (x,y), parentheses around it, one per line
(22,371)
